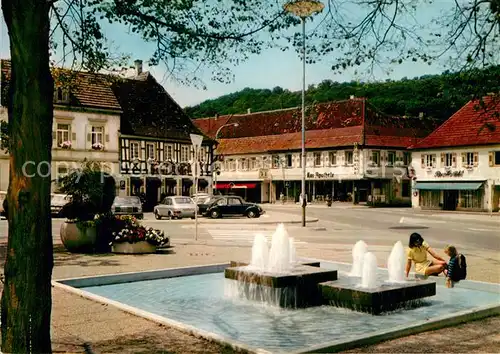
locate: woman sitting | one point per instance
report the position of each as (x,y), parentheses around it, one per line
(417,252)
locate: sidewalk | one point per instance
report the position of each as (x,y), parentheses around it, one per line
(80,325)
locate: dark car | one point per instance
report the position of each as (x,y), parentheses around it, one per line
(128,206)
(233,205)
(204,202)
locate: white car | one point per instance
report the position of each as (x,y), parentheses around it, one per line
(175,207)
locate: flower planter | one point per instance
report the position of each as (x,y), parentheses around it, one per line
(78,239)
(133,248)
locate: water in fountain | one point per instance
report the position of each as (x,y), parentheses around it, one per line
(279,255)
(369,274)
(396,263)
(293,252)
(260,253)
(358,252)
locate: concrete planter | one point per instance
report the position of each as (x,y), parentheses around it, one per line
(133,248)
(78,239)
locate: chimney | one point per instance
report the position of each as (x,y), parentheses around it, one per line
(249,110)
(352,97)
(138,67)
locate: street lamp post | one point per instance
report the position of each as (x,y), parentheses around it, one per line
(214,173)
(304,9)
(196,140)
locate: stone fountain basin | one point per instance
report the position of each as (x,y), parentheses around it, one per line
(346,292)
(300,274)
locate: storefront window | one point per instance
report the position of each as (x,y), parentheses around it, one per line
(430,199)
(471,199)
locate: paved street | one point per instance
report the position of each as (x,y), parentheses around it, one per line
(337,225)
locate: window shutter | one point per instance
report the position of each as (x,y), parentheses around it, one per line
(107,138)
(54,135)
(454,159)
(464,159)
(89,136)
(490,156)
(476,159)
(73,136)
(434,160)
(423,161)
(442,159)
(371,156)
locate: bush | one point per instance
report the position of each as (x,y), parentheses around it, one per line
(92,192)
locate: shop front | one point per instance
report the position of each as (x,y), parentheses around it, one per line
(249,191)
(451,195)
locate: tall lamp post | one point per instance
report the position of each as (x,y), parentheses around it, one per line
(214,173)
(304,9)
(196,140)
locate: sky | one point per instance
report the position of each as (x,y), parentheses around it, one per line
(269,69)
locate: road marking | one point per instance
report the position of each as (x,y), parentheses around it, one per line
(485,230)
(242,235)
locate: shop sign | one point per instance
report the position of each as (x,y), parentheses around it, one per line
(449,173)
(320,175)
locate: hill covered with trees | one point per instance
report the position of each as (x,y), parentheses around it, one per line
(436,96)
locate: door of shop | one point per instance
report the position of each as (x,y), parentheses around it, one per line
(450,200)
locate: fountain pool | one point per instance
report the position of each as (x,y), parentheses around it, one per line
(197,301)
(255,306)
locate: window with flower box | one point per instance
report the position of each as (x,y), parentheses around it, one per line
(97,137)
(428,160)
(349,158)
(63,135)
(391,158)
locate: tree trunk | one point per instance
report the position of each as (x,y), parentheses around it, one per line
(26,298)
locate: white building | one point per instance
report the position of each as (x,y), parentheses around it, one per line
(353,152)
(86,125)
(457,167)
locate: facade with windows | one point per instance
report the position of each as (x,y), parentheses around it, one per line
(85,126)
(457,167)
(353,153)
(156,153)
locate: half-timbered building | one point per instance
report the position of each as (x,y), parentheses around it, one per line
(156,153)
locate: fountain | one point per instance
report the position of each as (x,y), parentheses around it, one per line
(358,252)
(280,280)
(371,294)
(369,276)
(260,253)
(396,263)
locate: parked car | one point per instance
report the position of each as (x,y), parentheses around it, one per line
(57,202)
(175,207)
(199,196)
(131,205)
(204,203)
(233,205)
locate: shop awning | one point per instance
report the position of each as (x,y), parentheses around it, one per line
(448,186)
(235,185)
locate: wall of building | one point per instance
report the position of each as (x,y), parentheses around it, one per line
(478,166)
(339,166)
(63,160)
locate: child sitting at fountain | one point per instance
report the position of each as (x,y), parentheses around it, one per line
(417,252)
(457,266)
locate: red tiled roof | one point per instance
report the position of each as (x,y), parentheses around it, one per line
(315,139)
(87,89)
(210,125)
(469,126)
(332,124)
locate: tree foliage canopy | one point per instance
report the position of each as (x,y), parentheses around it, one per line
(436,96)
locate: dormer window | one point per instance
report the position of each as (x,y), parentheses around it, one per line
(61,95)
